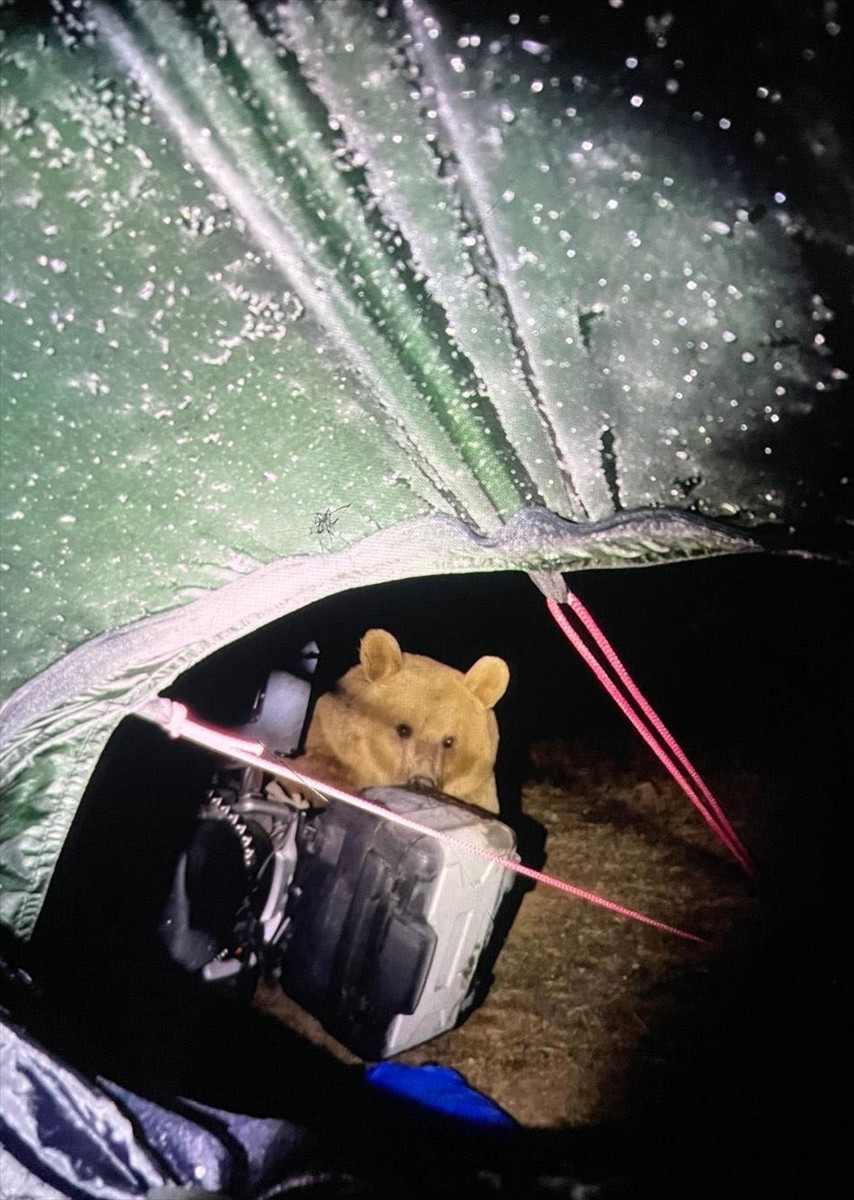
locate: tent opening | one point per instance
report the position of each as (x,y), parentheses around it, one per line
(588,1014)
(97,947)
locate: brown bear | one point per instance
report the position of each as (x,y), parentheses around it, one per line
(398,719)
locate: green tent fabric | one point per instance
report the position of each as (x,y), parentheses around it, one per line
(299,298)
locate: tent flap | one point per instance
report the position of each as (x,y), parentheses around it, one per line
(288,274)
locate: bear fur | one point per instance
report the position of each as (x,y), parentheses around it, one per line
(398,719)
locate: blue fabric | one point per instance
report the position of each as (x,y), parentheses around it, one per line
(440,1089)
(90,1138)
(67,1131)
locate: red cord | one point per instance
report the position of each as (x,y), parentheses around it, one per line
(175,719)
(708,806)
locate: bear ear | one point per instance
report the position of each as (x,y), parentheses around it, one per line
(488,680)
(380,655)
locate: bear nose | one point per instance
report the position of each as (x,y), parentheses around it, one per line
(422,783)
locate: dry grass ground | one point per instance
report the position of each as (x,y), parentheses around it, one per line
(578,990)
(580,993)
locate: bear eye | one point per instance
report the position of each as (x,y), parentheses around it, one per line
(448,742)
(404,730)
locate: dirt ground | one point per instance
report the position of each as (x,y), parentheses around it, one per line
(580,995)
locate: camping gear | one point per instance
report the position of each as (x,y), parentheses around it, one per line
(378,930)
(390,929)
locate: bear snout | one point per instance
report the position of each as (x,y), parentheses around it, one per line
(422,783)
(422,764)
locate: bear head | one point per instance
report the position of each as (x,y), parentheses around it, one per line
(405,719)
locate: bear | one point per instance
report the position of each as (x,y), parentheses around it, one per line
(405,719)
